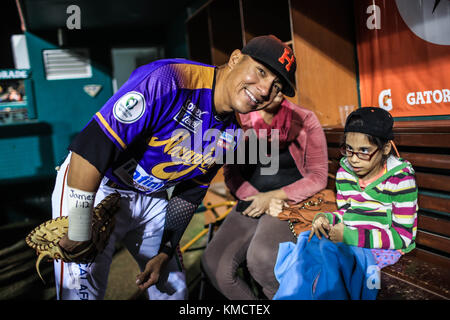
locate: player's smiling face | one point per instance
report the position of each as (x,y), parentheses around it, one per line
(252,86)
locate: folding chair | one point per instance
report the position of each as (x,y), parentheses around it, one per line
(210,222)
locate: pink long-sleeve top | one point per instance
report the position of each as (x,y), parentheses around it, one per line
(308,149)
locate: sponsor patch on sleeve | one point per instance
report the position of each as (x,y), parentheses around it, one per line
(130,107)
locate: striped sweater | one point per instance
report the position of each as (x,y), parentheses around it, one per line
(384,214)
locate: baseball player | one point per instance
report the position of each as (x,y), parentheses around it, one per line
(151,136)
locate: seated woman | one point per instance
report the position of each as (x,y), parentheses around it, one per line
(253,235)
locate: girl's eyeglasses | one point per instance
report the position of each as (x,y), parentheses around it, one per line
(361,155)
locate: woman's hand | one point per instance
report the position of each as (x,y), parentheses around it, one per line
(275,207)
(320,226)
(261,202)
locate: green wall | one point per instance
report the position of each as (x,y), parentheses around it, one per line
(32,150)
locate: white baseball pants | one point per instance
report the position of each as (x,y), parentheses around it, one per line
(139,226)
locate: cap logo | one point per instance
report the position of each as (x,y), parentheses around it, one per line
(285,57)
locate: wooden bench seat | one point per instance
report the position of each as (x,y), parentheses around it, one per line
(415,276)
(423,273)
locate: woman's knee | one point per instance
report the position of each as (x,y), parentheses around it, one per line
(219,270)
(259,262)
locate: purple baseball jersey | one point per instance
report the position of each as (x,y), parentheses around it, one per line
(166,107)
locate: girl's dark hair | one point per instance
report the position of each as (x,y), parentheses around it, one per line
(379,142)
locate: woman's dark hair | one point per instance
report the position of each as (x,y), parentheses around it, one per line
(379,142)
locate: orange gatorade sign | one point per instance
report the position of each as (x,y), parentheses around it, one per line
(404,55)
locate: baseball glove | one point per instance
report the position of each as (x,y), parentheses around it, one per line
(45,237)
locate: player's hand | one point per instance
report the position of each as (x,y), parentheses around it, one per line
(72,246)
(152,270)
(337,233)
(320,226)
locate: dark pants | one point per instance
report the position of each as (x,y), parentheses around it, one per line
(242,238)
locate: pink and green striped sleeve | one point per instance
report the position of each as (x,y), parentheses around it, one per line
(399,193)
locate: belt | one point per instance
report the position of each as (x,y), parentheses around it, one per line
(158,194)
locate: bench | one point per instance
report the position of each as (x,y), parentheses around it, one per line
(423,273)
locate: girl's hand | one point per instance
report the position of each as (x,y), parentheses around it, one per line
(337,233)
(320,225)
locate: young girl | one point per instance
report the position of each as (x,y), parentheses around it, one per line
(376,194)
